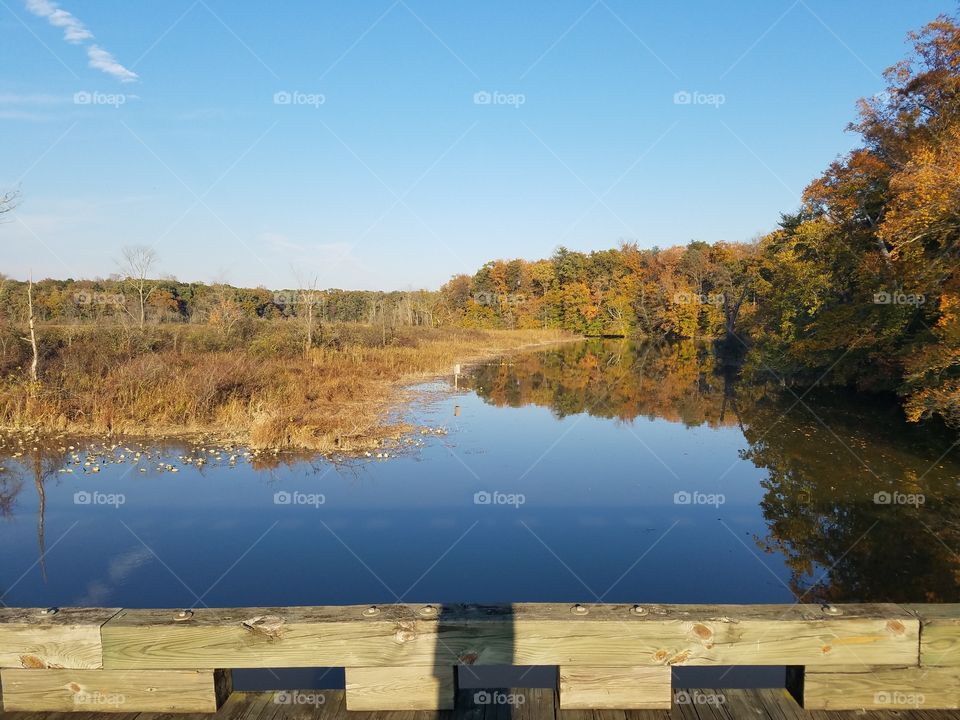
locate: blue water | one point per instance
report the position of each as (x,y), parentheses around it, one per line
(584,506)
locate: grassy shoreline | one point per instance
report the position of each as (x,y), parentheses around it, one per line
(262,391)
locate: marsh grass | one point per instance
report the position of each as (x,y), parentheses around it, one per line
(256,387)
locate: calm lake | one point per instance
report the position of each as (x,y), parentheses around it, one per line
(595,471)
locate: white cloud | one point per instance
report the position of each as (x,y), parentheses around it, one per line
(104,61)
(75,32)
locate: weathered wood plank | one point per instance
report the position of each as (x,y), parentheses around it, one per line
(627,688)
(67,638)
(939,634)
(885,688)
(534,634)
(400,688)
(200,691)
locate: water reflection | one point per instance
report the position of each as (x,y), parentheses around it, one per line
(862,505)
(832,497)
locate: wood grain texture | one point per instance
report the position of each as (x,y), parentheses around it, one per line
(939,634)
(400,688)
(623,688)
(523,634)
(199,691)
(900,689)
(69,638)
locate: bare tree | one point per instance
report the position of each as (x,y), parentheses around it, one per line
(33,334)
(138,262)
(8,201)
(309,299)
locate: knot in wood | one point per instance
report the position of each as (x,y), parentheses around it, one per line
(267,625)
(405,632)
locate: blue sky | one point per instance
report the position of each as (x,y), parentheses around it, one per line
(392,143)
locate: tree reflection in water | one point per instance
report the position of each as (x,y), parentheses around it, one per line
(862,504)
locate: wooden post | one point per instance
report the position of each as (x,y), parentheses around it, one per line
(194,691)
(400,688)
(610,688)
(939,634)
(879,688)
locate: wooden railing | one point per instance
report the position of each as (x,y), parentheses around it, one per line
(404,656)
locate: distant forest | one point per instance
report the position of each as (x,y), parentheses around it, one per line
(860,286)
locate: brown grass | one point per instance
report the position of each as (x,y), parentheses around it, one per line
(260,389)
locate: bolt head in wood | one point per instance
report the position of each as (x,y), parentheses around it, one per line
(638,610)
(371,611)
(183,615)
(579,609)
(829,609)
(49,611)
(428,611)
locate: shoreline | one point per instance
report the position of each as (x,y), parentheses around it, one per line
(388,430)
